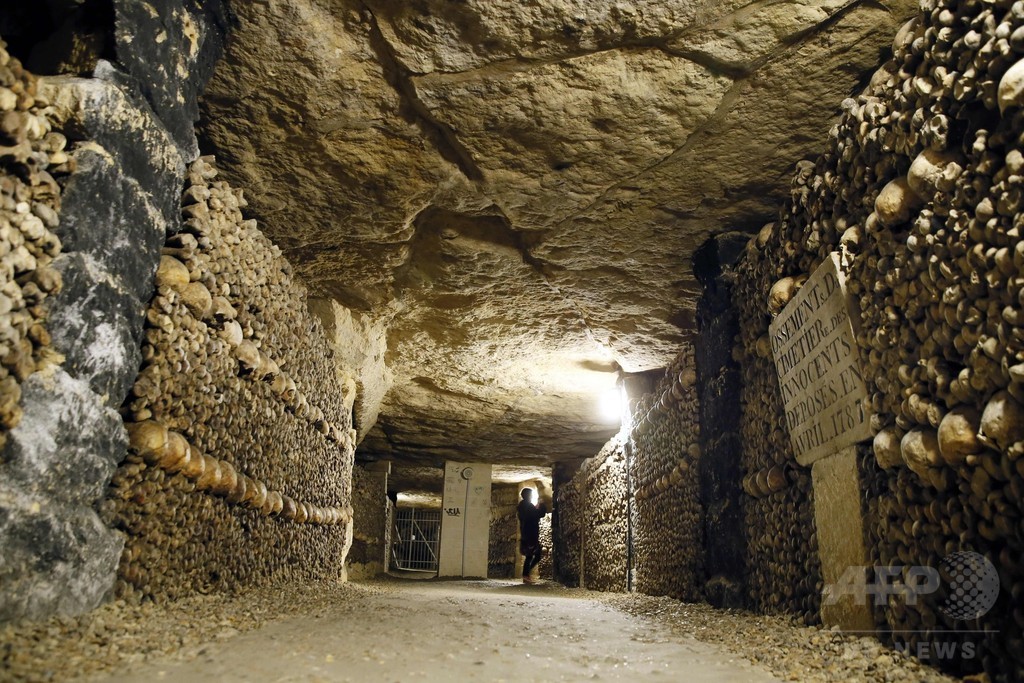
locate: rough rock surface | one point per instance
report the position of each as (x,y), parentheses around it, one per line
(516,192)
(169,50)
(126,171)
(57,554)
(359,343)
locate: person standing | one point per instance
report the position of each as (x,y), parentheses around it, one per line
(530,515)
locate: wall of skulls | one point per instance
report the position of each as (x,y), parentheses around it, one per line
(240,464)
(644,508)
(31,154)
(567,524)
(920,188)
(604,519)
(503,542)
(371,523)
(546,567)
(783,571)
(592,522)
(667,515)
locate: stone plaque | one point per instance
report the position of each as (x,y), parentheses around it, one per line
(815,351)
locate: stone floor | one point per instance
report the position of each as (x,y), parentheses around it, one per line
(458,631)
(401,630)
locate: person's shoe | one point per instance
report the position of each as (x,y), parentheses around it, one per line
(528,580)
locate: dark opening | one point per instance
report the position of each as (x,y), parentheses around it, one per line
(52,37)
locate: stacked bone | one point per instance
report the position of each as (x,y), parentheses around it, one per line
(503,547)
(667,515)
(241,448)
(546,566)
(30,156)
(569,530)
(920,189)
(370,535)
(783,572)
(605,519)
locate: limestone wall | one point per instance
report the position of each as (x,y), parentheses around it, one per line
(919,189)
(241,444)
(667,517)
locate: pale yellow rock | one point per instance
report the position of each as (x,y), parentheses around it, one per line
(744,37)
(510,204)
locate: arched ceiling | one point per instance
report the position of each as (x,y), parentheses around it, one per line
(507,196)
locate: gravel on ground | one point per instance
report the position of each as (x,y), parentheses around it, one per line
(791,651)
(123,638)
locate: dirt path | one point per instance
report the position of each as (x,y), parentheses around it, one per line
(455,631)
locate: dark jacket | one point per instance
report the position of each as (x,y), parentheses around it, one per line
(529,521)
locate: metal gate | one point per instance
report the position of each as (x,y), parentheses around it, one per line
(416,539)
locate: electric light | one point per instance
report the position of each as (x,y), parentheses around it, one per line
(610,405)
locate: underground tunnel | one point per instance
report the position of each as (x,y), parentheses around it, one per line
(301,300)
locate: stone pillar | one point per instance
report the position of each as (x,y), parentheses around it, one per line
(465,520)
(840,524)
(368,556)
(57,556)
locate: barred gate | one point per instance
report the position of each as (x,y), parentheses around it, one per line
(416,539)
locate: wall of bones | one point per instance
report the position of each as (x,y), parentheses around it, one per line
(372,522)
(639,496)
(173,418)
(91,173)
(503,544)
(920,190)
(241,447)
(590,522)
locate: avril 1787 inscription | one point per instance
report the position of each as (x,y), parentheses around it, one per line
(815,353)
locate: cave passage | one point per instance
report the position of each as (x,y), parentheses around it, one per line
(298,297)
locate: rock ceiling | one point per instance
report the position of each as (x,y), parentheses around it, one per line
(507,196)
